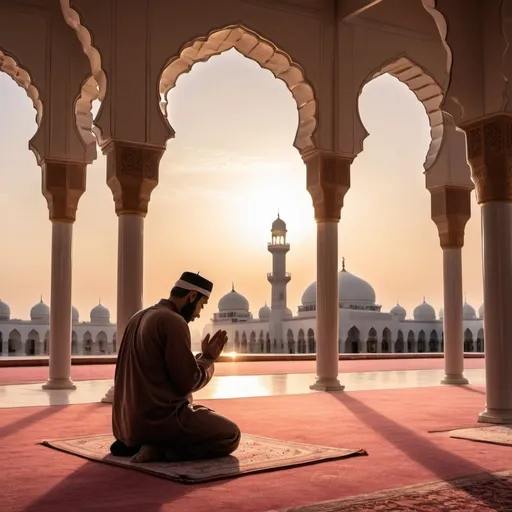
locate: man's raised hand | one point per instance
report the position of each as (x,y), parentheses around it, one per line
(214,346)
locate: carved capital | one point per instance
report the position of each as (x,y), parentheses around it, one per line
(63,185)
(132,174)
(451,210)
(489,148)
(328,180)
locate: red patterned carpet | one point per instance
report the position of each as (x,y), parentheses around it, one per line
(18,375)
(391,425)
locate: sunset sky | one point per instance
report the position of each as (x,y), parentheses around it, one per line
(230,168)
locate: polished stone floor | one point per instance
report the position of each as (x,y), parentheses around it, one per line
(238,386)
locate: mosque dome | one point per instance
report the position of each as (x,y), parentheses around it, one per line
(40,312)
(441,313)
(264,313)
(351,289)
(468,311)
(75,315)
(233,301)
(100,314)
(481,311)
(399,311)
(424,312)
(288,314)
(5,311)
(279,225)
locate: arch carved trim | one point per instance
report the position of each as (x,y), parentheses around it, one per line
(256,48)
(22,77)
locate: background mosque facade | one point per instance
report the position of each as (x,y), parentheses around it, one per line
(364,327)
(31,337)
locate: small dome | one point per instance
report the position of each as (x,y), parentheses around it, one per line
(288,314)
(75,315)
(399,311)
(5,311)
(481,311)
(233,301)
(424,312)
(264,313)
(468,312)
(351,289)
(100,314)
(441,313)
(279,225)
(40,312)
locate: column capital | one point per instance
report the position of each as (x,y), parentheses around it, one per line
(328,180)
(451,210)
(63,183)
(132,174)
(489,148)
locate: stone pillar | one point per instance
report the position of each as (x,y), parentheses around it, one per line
(63,185)
(489,146)
(328,180)
(451,210)
(132,174)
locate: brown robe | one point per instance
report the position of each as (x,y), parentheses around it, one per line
(156,372)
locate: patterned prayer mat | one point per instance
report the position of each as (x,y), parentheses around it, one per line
(495,434)
(488,492)
(254,455)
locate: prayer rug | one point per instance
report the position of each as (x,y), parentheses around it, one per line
(495,434)
(254,455)
(487,492)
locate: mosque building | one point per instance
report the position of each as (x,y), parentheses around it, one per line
(363,325)
(31,337)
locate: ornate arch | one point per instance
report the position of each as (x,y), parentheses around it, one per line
(256,48)
(428,92)
(95,87)
(22,77)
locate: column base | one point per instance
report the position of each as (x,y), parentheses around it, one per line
(496,416)
(109,397)
(327,385)
(65,383)
(455,380)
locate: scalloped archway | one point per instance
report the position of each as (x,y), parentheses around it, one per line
(256,48)
(22,77)
(428,92)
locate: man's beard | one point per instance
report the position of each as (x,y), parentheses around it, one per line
(187,311)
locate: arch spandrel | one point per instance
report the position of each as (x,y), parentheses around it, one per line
(262,51)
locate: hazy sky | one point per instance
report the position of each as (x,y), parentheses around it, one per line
(230,168)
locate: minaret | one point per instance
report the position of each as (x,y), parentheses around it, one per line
(278,280)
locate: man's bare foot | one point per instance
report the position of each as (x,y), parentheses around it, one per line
(148,454)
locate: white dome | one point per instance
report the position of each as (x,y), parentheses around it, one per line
(100,314)
(40,312)
(441,313)
(424,312)
(264,313)
(288,314)
(75,315)
(233,301)
(5,311)
(468,312)
(481,311)
(351,289)
(279,225)
(399,311)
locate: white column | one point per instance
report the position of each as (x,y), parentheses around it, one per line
(130,262)
(327,319)
(60,307)
(497,266)
(452,320)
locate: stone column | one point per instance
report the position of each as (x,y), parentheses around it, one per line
(63,185)
(328,180)
(132,174)
(489,146)
(451,210)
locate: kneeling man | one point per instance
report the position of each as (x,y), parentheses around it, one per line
(156,373)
